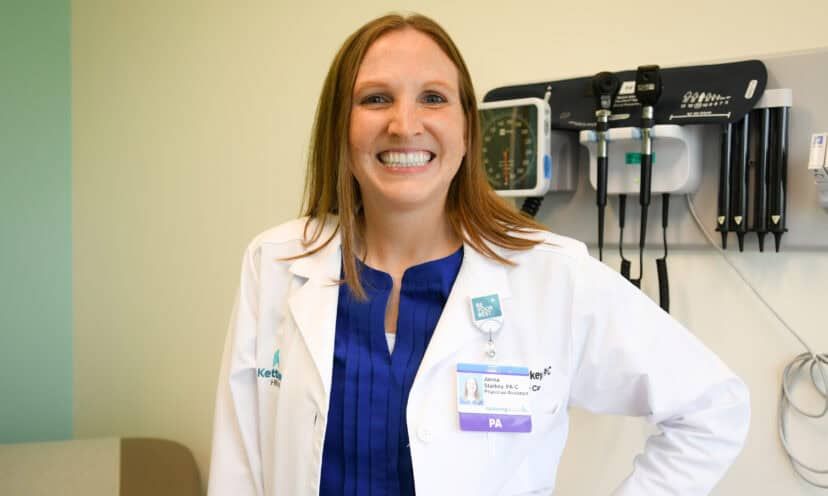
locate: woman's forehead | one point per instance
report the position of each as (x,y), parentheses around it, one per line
(406,54)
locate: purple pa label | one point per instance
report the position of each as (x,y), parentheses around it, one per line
(495,423)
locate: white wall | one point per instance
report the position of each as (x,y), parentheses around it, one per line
(191,121)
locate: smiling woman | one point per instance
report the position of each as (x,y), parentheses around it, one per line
(398,89)
(369,312)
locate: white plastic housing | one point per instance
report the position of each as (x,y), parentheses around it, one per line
(781,97)
(543,164)
(564,151)
(677,159)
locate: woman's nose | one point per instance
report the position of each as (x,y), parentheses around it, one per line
(405,120)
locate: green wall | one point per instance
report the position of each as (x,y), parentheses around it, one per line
(35,221)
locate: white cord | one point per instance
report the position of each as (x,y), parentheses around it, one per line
(810,360)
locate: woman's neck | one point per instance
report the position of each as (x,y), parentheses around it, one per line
(396,240)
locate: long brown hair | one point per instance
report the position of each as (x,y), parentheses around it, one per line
(474,211)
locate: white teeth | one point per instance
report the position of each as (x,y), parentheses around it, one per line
(405,159)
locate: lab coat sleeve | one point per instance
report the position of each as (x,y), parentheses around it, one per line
(235,466)
(632,358)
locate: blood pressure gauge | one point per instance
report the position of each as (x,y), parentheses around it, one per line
(516,146)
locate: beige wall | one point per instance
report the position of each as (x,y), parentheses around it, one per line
(190,126)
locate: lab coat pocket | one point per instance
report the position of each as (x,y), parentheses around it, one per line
(545,407)
(531,459)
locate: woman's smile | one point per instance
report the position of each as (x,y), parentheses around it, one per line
(405,159)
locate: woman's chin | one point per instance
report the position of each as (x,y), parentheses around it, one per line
(406,197)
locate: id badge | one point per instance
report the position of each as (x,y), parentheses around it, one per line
(493,398)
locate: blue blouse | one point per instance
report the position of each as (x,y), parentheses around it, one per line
(366,443)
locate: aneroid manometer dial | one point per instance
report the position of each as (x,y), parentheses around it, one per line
(515,146)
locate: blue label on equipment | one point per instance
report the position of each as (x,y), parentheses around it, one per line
(547,166)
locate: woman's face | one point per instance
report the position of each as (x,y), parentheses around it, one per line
(408,128)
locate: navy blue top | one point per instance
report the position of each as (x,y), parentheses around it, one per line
(366,443)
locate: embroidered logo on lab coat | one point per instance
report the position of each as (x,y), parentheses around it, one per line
(536,376)
(272,374)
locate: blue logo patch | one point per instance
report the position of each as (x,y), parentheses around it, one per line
(276,360)
(486,307)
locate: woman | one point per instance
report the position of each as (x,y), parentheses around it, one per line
(471,392)
(350,387)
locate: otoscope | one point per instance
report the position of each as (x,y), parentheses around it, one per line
(604,87)
(647,91)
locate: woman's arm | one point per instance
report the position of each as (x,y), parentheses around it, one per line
(235,466)
(631,358)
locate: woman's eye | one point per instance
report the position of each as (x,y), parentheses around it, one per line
(434,98)
(374,100)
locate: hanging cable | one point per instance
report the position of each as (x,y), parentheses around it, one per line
(809,360)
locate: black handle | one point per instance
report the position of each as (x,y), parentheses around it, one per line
(531,205)
(779,184)
(723,217)
(646,180)
(644,196)
(601,179)
(625,269)
(622,215)
(601,201)
(740,182)
(760,183)
(663,284)
(661,263)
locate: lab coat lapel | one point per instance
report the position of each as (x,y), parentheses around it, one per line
(314,305)
(478,276)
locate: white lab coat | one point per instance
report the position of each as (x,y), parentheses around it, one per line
(592,339)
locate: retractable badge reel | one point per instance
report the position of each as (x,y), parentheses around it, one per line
(491,397)
(487,316)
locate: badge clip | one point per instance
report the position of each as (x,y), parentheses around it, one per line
(487,316)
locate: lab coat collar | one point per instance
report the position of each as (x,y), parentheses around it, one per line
(314,305)
(325,262)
